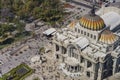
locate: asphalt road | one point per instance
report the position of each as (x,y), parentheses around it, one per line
(81,4)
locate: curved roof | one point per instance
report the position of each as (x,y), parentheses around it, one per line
(108,37)
(111,19)
(82,42)
(92,22)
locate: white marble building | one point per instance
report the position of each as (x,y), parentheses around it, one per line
(88,47)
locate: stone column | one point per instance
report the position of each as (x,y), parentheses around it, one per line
(73,68)
(93,73)
(54,50)
(76,56)
(100,71)
(114,66)
(63,60)
(72,54)
(60,49)
(69,54)
(79,58)
(60,52)
(68,67)
(54,47)
(78,68)
(85,66)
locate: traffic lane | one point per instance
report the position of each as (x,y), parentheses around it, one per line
(78,3)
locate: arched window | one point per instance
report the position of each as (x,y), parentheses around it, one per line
(81,32)
(89,64)
(88,74)
(57,56)
(57,47)
(75,29)
(88,34)
(63,50)
(84,33)
(81,59)
(91,36)
(94,36)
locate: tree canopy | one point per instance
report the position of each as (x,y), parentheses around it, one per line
(47,10)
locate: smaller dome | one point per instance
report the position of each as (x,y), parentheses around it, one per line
(72,24)
(108,37)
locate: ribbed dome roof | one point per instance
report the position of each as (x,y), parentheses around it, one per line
(108,37)
(92,22)
(72,24)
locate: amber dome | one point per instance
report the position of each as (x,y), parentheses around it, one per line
(92,22)
(72,24)
(108,37)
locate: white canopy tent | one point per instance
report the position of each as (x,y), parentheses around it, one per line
(49,31)
(35,58)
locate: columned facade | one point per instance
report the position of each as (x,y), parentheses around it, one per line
(89,49)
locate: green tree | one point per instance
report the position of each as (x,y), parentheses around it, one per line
(48,10)
(52,10)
